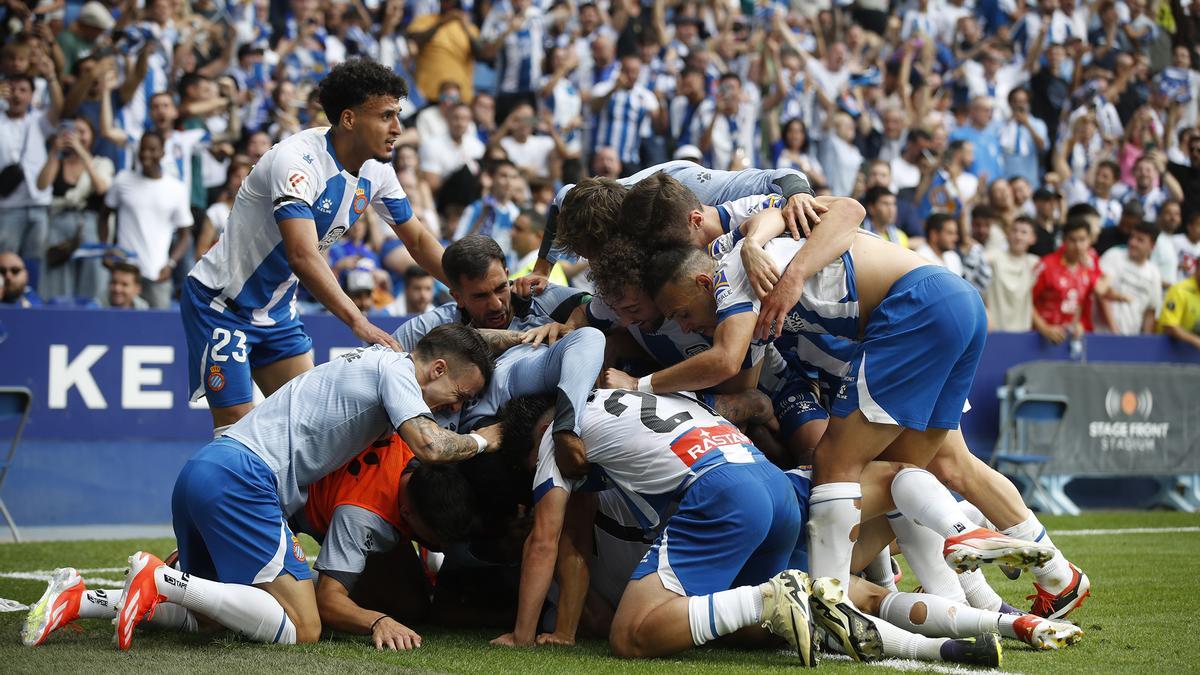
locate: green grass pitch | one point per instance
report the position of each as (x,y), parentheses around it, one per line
(1142,617)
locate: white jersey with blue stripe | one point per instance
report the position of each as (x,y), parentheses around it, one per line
(821,330)
(519,66)
(247,271)
(649,447)
(624,120)
(732,215)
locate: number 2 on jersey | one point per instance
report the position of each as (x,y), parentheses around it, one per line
(222,338)
(649,413)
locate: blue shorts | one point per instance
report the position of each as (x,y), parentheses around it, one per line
(737,524)
(228,523)
(224,347)
(919,353)
(795,404)
(802,483)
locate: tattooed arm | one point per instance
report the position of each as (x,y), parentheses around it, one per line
(748,407)
(431,443)
(499,340)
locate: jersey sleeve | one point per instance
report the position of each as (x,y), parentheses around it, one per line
(399,390)
(732,289)
(410,332)
(557,302)
(1174,308)
(293,188)
(390,201)
(354,533)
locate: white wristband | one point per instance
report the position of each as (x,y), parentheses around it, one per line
(480,441)
(644,384)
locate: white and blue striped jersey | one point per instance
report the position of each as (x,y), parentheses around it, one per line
(821,329)
(685,118)
(650,447)
(324,417)
(566,108)
(519,65)
(710,187)
(247,271)
(668,345)
(732,215)
(624,121)
(553,304)
(732,132)
(136,116)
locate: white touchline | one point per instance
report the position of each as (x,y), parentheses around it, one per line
(1125,530)
(911,665)
(92,581)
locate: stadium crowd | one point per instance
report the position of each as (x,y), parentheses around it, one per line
(1047,151)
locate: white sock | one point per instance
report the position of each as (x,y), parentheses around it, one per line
(834,509)
(925,500)
(879,570)
(217,431)
(971,511)
(1055,574)
(922,548)
(979,593)
(250,611)
(717,614)
(99,604)
(902,644)
(942,618)
(1006,625)
(169,616)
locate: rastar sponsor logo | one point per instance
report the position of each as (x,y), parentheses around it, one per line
(696,443)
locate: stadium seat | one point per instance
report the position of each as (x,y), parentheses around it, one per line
(1019,410)
(15,403)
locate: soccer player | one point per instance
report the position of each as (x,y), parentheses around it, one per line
(477,274)
(581,223)
(375,504)
(238,304)
(241,565)
(859,292)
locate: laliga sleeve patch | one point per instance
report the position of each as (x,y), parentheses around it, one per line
(296,185)
(721,287)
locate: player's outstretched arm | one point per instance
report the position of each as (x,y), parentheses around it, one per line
(537,567)
(709,368)
(340,612)
(572,568)
(431,443)
(300,244)
(425,248)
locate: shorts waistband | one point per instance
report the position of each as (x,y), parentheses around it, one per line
(918,275)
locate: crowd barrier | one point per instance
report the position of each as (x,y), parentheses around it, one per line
(111,422)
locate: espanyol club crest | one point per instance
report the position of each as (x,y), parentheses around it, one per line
(360,201)
(297,549)
(216,379)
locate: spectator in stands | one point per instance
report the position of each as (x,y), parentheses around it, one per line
(906,168)
(1136,277)
(949,189)
(493,214)
(606,163)
(563,101)
(1013,276)
(1146,174)
(483,115)
(441,157)
(984,136)
(1023,140)
(1180,317)
(1188,175)
(16,282)
(124,288)
(685,118)
(1068,283)
(1131,215)
(971,252)
(418,293)
(941,242)
(624,113)
(880,204)
(527,233)
(986,228)
(359,285)
(535,156)
(1004,209)
(84,35)
(77,182)
(217,214)
(514,33)
(792,151)
(151,211)
(23,132)
(1046,204)
(434,121)
(447,46)
(730,136)
(1187,245)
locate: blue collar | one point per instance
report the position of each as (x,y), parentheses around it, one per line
(329,149)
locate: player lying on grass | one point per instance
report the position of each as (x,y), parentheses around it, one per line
(379,502)
(240,567)
(583,217)
(1061,586)
(737,524)
(608,536)
(237,310)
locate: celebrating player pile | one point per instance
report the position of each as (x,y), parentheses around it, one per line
(670,507)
